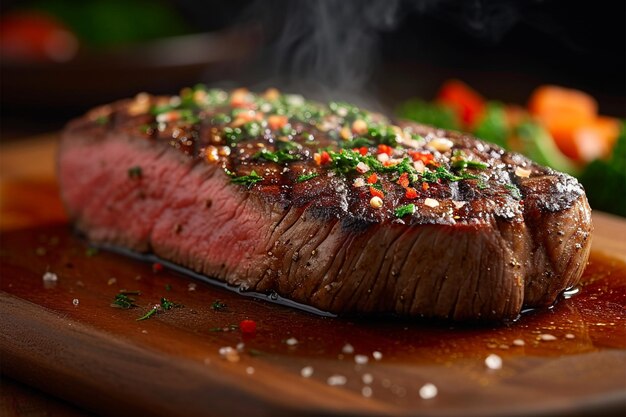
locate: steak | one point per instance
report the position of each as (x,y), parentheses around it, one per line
(327,205)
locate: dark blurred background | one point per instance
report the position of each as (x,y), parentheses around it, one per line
(61,57)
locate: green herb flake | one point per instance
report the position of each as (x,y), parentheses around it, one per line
(280,157)
(248,180)
(168,305)
(306,177)
(217,305)
(404,210)
(135,172)
(462,164)
(123,301)
(91,251)
(149,314)
(515,192)
(102,120)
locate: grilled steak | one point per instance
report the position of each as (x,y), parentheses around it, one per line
(327,205)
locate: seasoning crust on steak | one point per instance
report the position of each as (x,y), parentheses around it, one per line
(328,205)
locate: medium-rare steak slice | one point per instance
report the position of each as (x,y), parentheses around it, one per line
(330,206)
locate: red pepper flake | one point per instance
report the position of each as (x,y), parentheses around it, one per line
(372,179)
(425,186)
(385,149)
(411,193)
(363,150)
(425,157)
(375,192)
(404,180)
(247,326)
(157,267)
(276,121)
(322,158)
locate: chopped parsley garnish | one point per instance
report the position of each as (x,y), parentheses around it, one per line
(135,172)
(167,304)
(515,192)
(306,177)
(149,314)
(123,301)
(280,157)
(404,210)
(217,305)
(357,143)
(163,306)
(102,120)
(248,180)
(462,164)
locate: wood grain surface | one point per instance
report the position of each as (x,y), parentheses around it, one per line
(104,360)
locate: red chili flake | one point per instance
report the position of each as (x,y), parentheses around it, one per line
(425,157)
(375,192)
(363,150)
(411,193)
(247,326)
(425,186)
(385,149)
(322,158)
(276,121)
(404,180)
(157,267)
(372,179)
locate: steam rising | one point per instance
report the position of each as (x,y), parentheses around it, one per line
(331,47)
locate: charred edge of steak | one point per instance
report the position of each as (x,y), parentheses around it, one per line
(330,206)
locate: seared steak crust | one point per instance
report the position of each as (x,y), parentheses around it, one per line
(329,206)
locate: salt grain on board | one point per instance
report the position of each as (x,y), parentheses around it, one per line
(367,379)
(306,372)
(493,361)
(292,341)
(347,349)
(377,355)
(361,359)
(336,380)
(428,391)
(547,337)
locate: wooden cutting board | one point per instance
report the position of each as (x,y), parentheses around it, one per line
(65,338)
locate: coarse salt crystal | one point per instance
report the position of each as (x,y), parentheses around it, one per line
(493,361)
(336,380)
(569,336)
(240,346)
(428,391)
(347,349)
(458,204)
(522,172)
(75,302)
(377,355)
(431,202)
(547,337)
(292,341)
(419,166)
(359,182)
(191,286)
(361,359)
(306,372)
(229,354)
(519,342)
(366,392)
(362,167)
(382,157)
(367,379)
(50,277)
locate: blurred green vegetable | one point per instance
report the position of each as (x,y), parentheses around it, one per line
(113,22)
(493,126)
(429,113)
(605,180)
(538,145)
